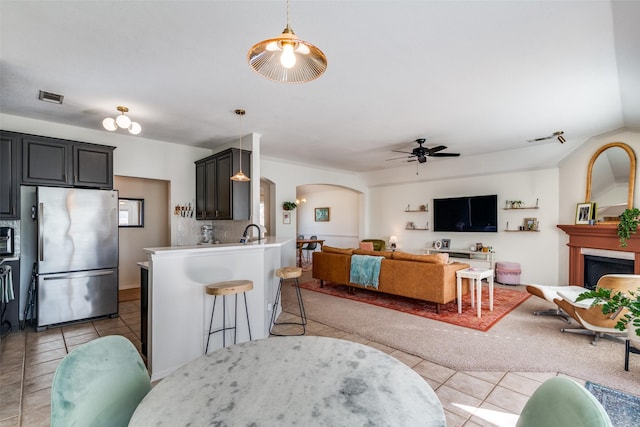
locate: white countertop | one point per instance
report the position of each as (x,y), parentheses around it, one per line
(212,247)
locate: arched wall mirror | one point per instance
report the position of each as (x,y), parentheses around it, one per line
(611,177)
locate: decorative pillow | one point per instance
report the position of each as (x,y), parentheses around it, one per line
(332,250)
(367,246)
(372,253)
(378,244)
(434,258)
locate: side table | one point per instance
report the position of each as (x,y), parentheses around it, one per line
(475,276)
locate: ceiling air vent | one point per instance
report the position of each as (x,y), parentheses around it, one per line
(50,97)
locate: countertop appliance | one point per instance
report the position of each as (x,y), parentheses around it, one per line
(6,241)
(77,243)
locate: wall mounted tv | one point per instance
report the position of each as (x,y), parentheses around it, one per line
(466,214)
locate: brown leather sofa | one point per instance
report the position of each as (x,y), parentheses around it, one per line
(424,277)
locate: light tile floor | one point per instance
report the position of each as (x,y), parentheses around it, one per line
(29,359)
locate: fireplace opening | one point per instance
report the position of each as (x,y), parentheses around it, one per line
(596,266)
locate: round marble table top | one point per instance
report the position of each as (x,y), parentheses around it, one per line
(285,381)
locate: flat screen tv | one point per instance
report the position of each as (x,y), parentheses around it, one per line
(466,214)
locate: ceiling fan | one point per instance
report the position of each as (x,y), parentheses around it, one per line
(557,134)
(421,153)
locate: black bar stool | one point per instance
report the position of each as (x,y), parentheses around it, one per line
(232,287)
(289,273)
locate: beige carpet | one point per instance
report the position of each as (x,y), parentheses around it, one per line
(519,342)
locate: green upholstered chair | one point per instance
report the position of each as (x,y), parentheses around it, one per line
(99,384)
(378,244)
(562,402)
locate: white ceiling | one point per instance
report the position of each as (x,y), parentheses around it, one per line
(476,76)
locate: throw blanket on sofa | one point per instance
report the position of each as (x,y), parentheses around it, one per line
(365,270)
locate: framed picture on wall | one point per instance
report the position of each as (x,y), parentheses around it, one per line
(583,213)
(286,217)
(322,214)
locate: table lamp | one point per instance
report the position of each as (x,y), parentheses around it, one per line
(393,240)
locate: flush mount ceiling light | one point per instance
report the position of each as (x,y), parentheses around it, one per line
(240,176)
(122,121)
(286,58)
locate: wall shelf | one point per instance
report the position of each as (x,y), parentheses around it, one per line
(416,210)
(522,231)
(423,229)
(520,208)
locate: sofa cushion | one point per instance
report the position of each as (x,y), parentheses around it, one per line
(433,258)
(372,253)
(332,250)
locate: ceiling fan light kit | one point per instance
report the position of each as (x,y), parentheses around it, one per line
(286,58)
(122,122)
(557,134)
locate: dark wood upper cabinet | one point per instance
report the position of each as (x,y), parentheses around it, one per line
(217,197)
(9,176)
(92,166)
(45,161)
(62,163)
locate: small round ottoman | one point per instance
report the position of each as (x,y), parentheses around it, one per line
(508,273)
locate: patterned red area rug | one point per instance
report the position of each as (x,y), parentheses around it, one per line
(504,300)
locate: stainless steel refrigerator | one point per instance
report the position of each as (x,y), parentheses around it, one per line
(77,241)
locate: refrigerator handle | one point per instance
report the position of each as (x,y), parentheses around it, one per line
(40,229)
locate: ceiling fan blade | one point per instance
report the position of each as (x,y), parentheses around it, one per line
(436,149)
(399,151)
(538,139)
(445,154)
(403,157)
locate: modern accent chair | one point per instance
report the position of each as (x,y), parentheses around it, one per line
(99,383)
(308,248)
(592,320)
(550,293)
(561,402)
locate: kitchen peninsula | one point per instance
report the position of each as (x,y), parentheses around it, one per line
(179,309)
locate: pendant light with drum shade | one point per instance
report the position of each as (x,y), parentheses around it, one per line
(286,58)
(240,176)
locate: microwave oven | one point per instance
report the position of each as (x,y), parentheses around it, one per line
(6,241)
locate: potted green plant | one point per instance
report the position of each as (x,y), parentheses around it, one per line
(289,206)
(627,225)
(515,204)
(615,303)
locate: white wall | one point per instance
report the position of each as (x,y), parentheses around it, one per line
(134,156)
(343,227)
(288,176)
(384,194)
(537,253)
(573,183)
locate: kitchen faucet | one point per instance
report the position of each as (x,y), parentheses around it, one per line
(245,239)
